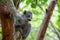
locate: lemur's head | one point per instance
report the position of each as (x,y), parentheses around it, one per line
(28,15)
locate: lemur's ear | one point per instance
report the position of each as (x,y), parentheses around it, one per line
(25,12)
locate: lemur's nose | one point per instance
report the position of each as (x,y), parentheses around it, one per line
(29,19)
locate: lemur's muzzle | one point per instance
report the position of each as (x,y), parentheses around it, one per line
(29,19)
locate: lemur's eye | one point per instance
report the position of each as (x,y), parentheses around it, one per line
(28,15)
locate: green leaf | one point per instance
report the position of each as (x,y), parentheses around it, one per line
(33,5)
(58,1)
(28,2)
(45,0)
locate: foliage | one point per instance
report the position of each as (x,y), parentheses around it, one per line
(37,7)
(58,17)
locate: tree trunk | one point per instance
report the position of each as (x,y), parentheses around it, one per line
(7,8)
(45,22)
(7,23)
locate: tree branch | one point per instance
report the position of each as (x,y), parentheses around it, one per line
(45,22)
(56,32)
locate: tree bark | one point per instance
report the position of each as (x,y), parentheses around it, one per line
(45,22)
(6,8)
(7,23)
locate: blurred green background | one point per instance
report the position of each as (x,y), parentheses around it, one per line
(38,8)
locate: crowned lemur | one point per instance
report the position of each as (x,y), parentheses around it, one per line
(22,23)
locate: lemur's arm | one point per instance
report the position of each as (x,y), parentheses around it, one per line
(27,30)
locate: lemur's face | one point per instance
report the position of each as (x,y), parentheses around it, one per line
(28,15)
